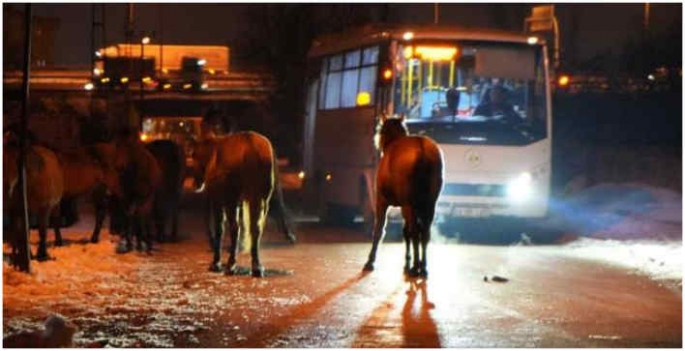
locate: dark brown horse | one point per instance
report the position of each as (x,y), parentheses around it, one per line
(238,173)
(89,171)
(409,175)
(139,180)
(44,187)
(171,160)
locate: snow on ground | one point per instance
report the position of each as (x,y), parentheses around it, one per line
(116,299)
(630,224)
(627,211)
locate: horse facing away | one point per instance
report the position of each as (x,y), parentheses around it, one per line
(89,170)
(409,175)
(238,172)
(140,177)
(44,188)
(171,160)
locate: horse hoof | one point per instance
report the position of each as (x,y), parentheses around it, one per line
(59,243)
(423,274)
(291,238)
(94,241)
(215,267)
(122,249)
(43,257)
(258,273)
(368,267)
(232,270)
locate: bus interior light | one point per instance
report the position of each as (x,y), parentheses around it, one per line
(88,86)
(301,175)
(436,53)
(532,40)
(124,79)
(408,36)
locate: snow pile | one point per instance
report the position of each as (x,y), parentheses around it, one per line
(660,260)
(627,211)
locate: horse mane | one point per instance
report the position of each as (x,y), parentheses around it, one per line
(389,130)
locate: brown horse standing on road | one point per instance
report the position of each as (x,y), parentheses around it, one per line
(89,170)
(236,170)
(409,175)
(139,180)
(44,189)
(171,160)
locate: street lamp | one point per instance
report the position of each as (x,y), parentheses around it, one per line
(144,41)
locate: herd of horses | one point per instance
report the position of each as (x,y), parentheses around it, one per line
(140,186)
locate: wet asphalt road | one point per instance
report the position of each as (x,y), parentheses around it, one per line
(315,295)
(548,301)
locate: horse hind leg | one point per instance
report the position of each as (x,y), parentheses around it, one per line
(232,216)
(174,219)
(406,233)
(412,233)
(257,213)
(100,204)
(425,233)
(56,219)
(378,231)
(43,222)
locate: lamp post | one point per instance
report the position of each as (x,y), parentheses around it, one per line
(144,41)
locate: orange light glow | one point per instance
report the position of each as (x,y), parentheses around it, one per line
(167,86)
(408,52)
(436,53)
(387,74)
(144,137)
(564,80)
(104,80)
(329,177)
(124,79)
(147,80)
(363,98)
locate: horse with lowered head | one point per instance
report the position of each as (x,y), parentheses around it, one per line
(89,171)
(238,173)
(44,189)
(409,175)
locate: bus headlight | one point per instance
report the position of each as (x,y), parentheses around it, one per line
(520,188)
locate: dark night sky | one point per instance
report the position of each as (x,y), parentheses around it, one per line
(601,27)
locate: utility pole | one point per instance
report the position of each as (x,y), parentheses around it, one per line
(129,40)
(22,259)
(436,13)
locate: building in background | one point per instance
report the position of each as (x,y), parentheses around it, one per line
(44,33)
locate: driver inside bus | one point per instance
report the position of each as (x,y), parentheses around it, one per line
(496,104)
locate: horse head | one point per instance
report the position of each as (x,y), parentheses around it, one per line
(203,154)
(390,129)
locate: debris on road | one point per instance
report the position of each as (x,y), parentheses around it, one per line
(496,279)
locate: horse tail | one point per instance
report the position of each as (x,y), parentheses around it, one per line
(427,182)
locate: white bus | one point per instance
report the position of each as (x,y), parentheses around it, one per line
(483,95)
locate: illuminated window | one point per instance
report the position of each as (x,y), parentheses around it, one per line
(344,75)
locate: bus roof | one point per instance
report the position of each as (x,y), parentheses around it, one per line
(374,33)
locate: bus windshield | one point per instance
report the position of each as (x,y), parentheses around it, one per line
(472,93)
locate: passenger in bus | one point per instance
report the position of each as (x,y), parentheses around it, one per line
(496,104)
